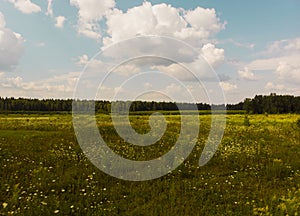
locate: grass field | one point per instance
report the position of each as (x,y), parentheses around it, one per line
(256,170)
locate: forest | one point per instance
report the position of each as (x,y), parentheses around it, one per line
(272,104)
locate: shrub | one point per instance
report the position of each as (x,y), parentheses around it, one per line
(246,121)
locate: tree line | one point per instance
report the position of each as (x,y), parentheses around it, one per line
(271,104)
(259,104)
(65,105)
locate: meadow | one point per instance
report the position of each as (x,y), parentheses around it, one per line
(256,170)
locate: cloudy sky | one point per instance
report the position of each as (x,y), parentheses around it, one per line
(252,46)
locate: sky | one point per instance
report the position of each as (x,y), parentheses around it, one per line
(200,50)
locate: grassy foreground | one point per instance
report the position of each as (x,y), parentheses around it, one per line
(256,170)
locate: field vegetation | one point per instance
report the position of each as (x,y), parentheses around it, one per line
(256,170)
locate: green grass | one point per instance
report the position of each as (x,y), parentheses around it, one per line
(256,170)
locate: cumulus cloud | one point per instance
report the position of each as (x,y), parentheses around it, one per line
(247,74)
(146,19)
(287,50)
(82,60)
(263,64)
(60,20)
(62,85)
(196,26)
(204,21)
(161,19)
(288,72)
(198,68)
(127,69)
(281,57)
(165,20)
(90,12)
(25,6)
(274,87)
(193,71)
(226,86)
(284,46)
(94,66)
(213,55)
(175,70)
(11,46)
(173,89)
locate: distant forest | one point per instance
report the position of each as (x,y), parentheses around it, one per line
(271,104)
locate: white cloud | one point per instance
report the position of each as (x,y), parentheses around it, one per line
(169,55)
(288,72)
(25,6)
(82,60)
(11,46)
(90,12)
(287,50)
(247,74)
(292,45)
(273,62)
(60,20)
(213,55)
(239,44)
(181,59)
(161,19)
(127,69)
(204,21)
(198,68)
(263,64)
(173,89)
(62,85)
(274,87)
(146,19)
(192,71)
(49,9)
(14,82)
(175,70)
(283,47)
(282,58)
(93,64)
(226,86)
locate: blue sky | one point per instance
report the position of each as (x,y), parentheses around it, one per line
(253,46)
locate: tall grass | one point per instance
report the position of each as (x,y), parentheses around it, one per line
(256,170)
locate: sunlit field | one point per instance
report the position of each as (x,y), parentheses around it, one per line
(256,170)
